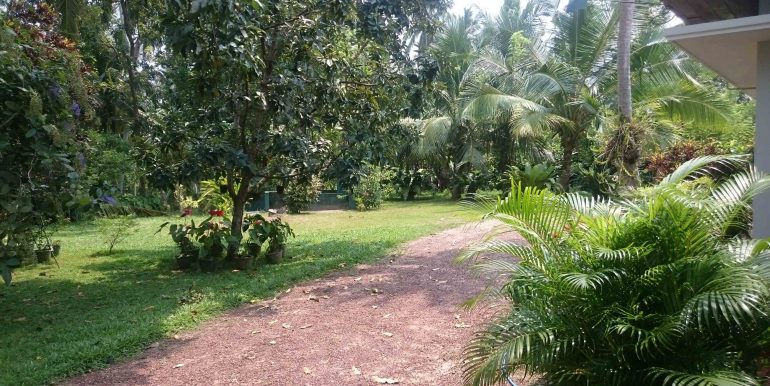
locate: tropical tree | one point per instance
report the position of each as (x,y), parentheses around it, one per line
(447,138)
(625,36)
(273,84)
(650,290)
(666,96)
(566,85)
(556,90)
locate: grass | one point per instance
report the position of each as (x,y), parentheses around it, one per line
(97,309)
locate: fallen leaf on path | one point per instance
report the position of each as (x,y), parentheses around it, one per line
(286,325)
(376,291)
(272,342)
(375,307)
(355,371)
(179,365)
(388,381)
(272,322)
(441,282)
(306,326)
(461,325)
(307,370)
(313,298)
(358,279)
(386,316)
(325,297)
(388,334)
(177,337)
(255,332)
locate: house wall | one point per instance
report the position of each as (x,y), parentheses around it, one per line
(762,139)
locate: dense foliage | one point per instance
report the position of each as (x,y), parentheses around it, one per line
(44,88)
(649,290)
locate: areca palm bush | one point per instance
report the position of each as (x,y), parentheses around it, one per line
(650,289)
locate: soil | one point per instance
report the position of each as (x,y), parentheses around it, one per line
(399,320)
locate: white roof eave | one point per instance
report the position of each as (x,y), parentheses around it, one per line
(729,47)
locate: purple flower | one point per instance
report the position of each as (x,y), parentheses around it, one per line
(75,109)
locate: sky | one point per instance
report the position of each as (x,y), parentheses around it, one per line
(488,6)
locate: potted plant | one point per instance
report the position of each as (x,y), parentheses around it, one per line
(188,251)
(182,235)
(276,233)
(43,251)
(56,248)
(213,237)
(254,227)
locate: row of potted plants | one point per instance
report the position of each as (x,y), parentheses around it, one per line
(207,242)
(29,248)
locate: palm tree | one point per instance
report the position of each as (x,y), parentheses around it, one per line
(566,87)
(625,35)
(665,96)
(556,90)
(447,139)
(650,290)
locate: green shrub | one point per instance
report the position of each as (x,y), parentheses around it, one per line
(539,176)
(649,291)
(299,194)
(142,202)
(370,191)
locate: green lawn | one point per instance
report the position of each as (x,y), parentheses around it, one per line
(96,309)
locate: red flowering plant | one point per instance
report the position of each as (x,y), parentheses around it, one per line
(212,236)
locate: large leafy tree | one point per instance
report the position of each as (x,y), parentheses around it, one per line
(268,85)
(651,290)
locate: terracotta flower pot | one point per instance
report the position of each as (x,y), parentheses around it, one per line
(43,255)
(276,256)
(185,261)
(242,263)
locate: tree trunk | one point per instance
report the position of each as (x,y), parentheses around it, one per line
(457,191)
(236,226)
(625,33)
(566,165)
(239,197)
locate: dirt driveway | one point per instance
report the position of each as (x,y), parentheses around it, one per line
(395,321)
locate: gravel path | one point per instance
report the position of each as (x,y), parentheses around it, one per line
(396,321)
